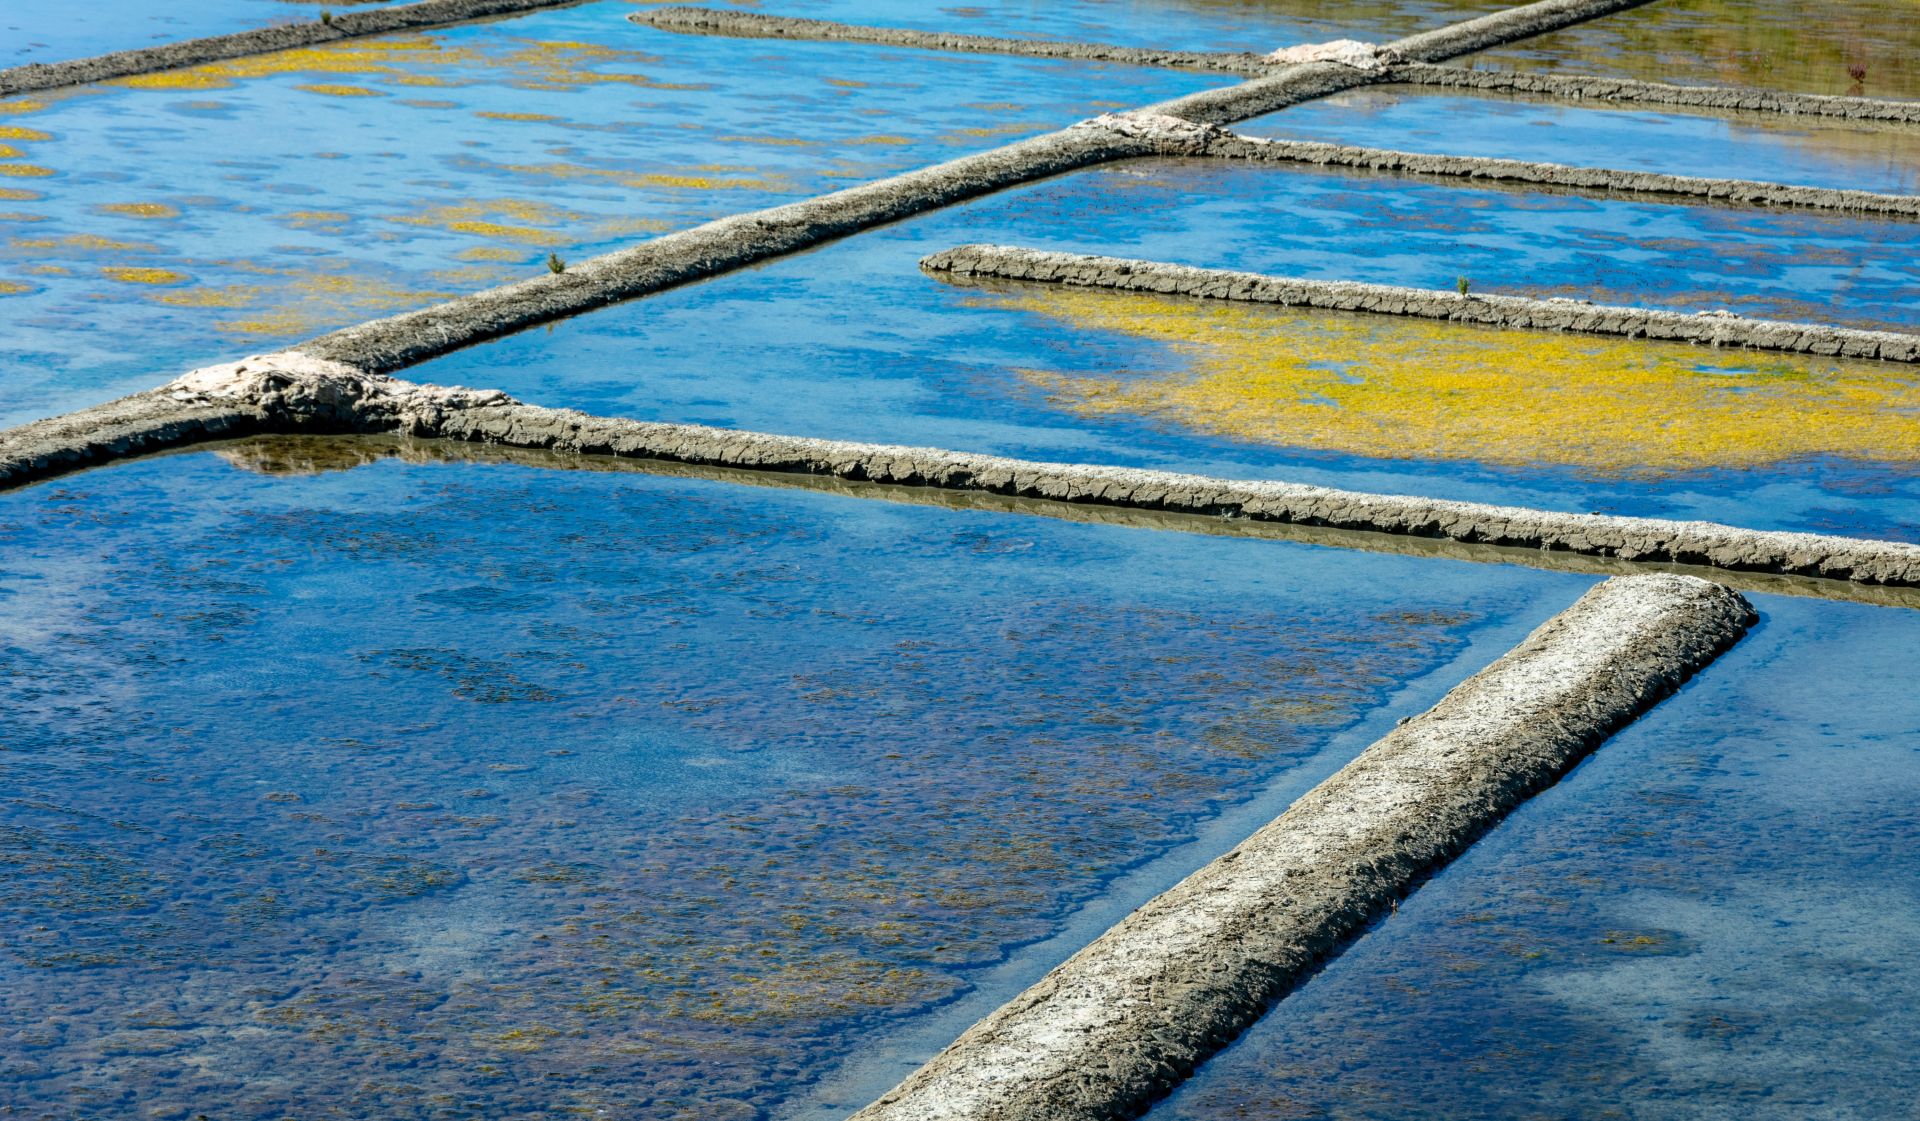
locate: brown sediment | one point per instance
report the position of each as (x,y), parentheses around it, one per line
(1628,91)
(194,52)
(1129,1017)
(1001,262)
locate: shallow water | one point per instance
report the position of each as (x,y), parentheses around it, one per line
(461,790)
(1772,44)
(1715,917)
(1723,146)
(853,342)
(173,220)
(54,30)
(1207,25)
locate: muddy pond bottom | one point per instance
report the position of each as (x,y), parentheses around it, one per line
(1714,917)
(474,789)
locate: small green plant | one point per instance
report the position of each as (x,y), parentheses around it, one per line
(1463,284)
(555,264)
(326,16)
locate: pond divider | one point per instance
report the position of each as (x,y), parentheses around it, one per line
(1628,91)
(972,263)
(754,25)
(295,393)
(36,76)
(1571,87)
(1130,1016)
(1227,145)
(310,453)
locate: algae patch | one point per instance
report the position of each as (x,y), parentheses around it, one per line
(1405,389)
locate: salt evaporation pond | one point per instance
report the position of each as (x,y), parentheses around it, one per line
(173,220)
(1768,44)
(1715,917)
(1195,25)
(455,789)
(1766,147)
(852,341)
(53,31)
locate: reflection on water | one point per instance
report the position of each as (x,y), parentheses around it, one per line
(51,31)
(852,341)
(1716,917)
(1218,25)
(469,791)
(1860,48)
(1418,389)
(1761,146)
(430,165)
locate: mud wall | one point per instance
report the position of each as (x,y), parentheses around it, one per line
(1130,1016)
(1001,262)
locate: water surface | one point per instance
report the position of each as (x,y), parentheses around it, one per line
(457,789)
(1860,48)
(169,221)
(1715,917)
(852,341)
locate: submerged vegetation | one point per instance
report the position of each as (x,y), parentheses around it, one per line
(1398,388)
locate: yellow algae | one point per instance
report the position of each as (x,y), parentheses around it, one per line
(9,152)
(378,57)
(15,217)
(518,116)
(318,300)
(314,219)
(1392,388)
(996,130)
(16,132)
(13,288)
(491,253)
(471,277)
(564,65)
(91,243)
(25,170)
(234,296)
(879,140)
(775,141)
(142,209)
(846,83)
(329,90)
(127,274)
(48,270)
(644,179)
(23,106)
(534,219)
(615,227)
(16,194)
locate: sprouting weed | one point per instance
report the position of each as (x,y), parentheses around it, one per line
(555,264)
(326,16)
(1463,284)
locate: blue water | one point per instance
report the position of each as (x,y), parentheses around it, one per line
(434,183)
(852,341)
(1716,917)
(445,789)
(45,31)
(52,31)
(1753,146)
(1219,25)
